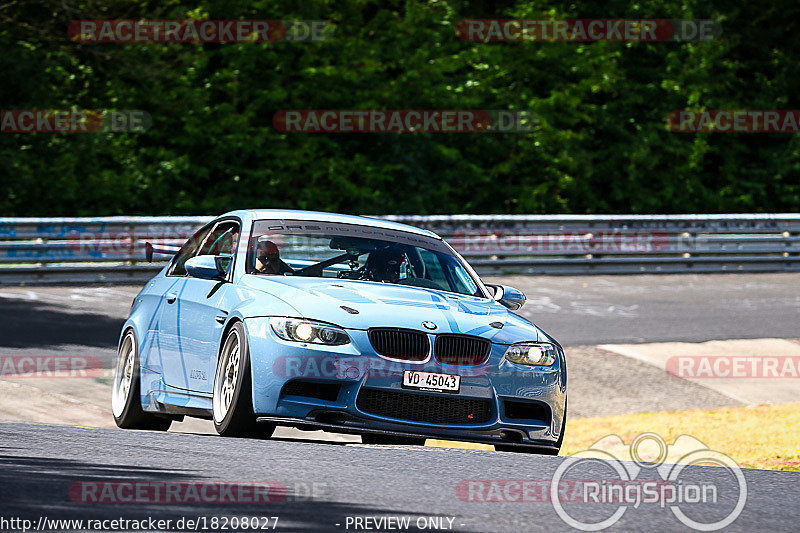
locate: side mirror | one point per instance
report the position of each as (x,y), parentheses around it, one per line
(207,266)
(508,296)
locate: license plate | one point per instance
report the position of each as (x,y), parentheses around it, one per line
(431,381)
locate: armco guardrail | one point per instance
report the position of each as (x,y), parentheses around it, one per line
(86,249)
(112,248)
(621,244)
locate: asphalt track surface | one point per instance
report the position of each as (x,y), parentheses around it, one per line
(577,310)
(663,308)
(40,464)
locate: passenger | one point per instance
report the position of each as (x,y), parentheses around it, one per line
(384,265)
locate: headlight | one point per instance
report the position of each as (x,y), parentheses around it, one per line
(532,353)
(298,330)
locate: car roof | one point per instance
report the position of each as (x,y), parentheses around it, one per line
(321,216)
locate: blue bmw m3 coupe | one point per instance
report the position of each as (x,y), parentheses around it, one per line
(340,323)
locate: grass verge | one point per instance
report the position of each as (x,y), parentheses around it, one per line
(759,436)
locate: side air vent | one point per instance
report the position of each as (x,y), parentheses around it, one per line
(311,389)
(517,410)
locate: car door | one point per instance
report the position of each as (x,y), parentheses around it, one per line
(204,306)
(169,341)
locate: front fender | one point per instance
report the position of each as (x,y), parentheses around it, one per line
(254,303)
(272,359)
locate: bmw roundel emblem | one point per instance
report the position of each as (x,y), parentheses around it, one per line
(430,325)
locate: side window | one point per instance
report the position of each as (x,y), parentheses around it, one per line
(188,250)
(221,241)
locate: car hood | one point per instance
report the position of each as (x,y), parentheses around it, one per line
(385,305)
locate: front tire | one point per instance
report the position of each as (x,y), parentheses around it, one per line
(126,403)
(233,390)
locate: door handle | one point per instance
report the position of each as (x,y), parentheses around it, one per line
(171,298)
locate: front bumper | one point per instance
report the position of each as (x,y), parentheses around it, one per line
(336,423)
(518,404)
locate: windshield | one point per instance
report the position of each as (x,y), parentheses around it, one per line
(348,251)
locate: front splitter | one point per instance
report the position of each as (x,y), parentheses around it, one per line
(354,426)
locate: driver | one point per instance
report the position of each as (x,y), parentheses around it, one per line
(384,265)
(268,259)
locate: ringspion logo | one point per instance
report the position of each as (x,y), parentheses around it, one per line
(673,488)
(586,30)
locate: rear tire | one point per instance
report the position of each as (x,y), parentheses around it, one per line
(375,438)
(233,390)
(126,402)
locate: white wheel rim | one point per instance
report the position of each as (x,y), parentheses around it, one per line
(123,374)
(227,376)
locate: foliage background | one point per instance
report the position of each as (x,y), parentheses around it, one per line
(601,145)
